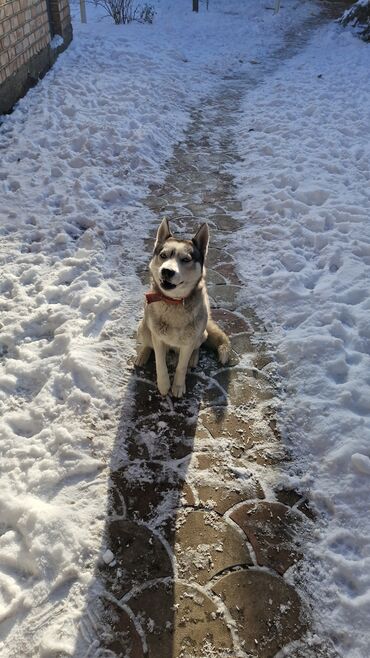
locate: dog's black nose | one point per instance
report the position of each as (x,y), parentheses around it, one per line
(167,274)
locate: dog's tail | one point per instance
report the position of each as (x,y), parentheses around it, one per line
(218,341)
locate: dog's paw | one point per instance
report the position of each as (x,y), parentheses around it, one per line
(164,385)
(224,353)
(178,390)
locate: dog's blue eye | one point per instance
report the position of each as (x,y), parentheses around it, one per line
(187,259)
(163,256)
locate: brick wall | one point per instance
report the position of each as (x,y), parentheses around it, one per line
(61,19)
(26,30)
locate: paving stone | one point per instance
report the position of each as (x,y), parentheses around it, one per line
(118,634)
(201,392)
(287,497)
(207,461)
(139,556)
(180,621)
(266,610)
(217,486)
(261,358)
(147,402)
(272,529)
(307,510)
(230,322)
(198,210)
(214,278)
(187,495)
(156,203)
(228,271)
(177,213)
(153,607)
(221,499)
(218,256)
(225,222)
(146,399)
(252,318)
(206,545)
(139,491)
(270,455)
(164,437)
(232,205)
(242,344)
(242,388)
(144,276)
(313,647)
(231,424)
(224,296)
(161,189)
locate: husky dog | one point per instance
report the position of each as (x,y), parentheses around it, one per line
(177,313)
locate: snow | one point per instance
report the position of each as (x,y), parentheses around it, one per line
(304,253)
(77,156)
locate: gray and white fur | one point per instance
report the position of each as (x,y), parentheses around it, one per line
(178,272)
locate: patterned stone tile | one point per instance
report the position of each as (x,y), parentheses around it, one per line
(138,492)
(272,529)
(231,424)
(266,610)
(231,205)
(228,271)
(242,388)
(118,634)
(307,510)
(254,322)
(225,296)
(230,322)
(139,556)
(223,498)
(206,545)
(242,345)
(215,278)
(181,621)
(225,222)
(218,256)
(287,497)
(217,487)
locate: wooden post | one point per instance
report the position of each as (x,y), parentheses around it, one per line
(195,5)
(83,11)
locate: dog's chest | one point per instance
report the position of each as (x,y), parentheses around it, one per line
(174,324)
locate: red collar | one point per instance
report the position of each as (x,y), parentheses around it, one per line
(159,297)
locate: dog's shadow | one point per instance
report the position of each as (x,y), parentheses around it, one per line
(131,604)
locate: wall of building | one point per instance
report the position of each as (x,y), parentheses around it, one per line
(27,28)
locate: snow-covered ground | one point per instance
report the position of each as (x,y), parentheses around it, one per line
(305,254)
(76,157)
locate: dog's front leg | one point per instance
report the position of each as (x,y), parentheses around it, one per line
(178,386)
(163,379)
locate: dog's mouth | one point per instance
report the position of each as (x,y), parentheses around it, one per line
(167,285)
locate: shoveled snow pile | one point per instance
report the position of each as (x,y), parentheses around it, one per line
(359,17)
(77,156)
(305,253)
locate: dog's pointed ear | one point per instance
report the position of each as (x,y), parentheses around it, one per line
(201,239)
(163,233)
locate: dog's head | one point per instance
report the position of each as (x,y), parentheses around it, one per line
(177,265)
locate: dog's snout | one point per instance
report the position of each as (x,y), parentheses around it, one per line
(166,273)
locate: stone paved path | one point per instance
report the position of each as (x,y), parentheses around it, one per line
(202,551)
